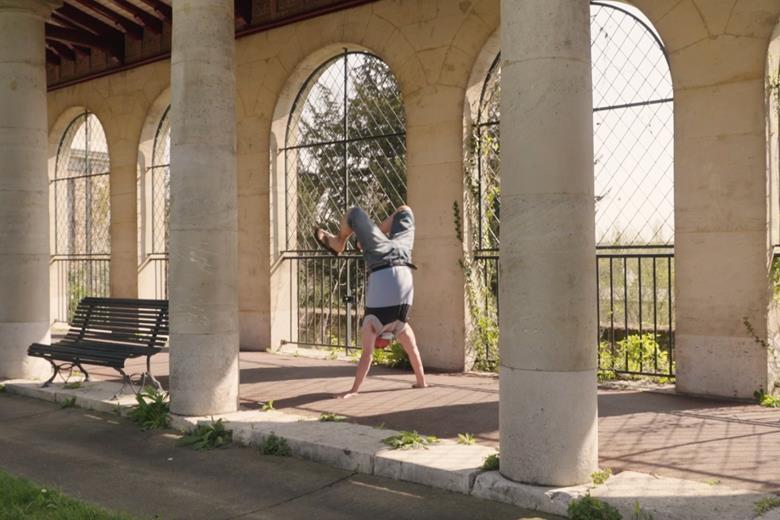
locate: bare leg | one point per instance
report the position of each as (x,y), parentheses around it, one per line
(368,336)
(409,342)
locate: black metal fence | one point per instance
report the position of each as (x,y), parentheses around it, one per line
(635,309)
(77,276)
(326,299)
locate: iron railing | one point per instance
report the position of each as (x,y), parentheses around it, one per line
(326,299)
(635,310)
(75,277)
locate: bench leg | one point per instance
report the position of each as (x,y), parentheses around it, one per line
(56,371)
(83,371)
(126,382)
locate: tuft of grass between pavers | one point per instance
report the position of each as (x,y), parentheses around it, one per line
(276,446)
(21,498)
(492,462)
(766,504)
(410,441)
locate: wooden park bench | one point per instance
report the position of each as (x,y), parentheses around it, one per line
(107,332)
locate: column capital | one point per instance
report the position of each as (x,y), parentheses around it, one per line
(41,8)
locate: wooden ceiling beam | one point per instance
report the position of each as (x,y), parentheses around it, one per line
(244,11)
(133,29)
(63,50)
(162,8)
(82,38)
(149,21)
(90,22)
(52,57)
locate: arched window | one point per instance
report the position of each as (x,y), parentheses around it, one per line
(345,146)
(82,215)
(634,195)
(155,192)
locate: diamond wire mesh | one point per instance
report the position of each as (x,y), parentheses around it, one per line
(161,186)
(82,215)
(345,147)
(81,186)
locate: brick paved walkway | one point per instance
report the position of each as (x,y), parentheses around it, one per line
(706,440)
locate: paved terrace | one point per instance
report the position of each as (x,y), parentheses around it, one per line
(705,440)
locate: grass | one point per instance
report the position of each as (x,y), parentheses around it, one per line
(600,476)
(2,389)
(276,446)
(466,438)
(766,504)
(68,402)
(152,411)
(590,508)
(410,441)
(72,386)
(766,400)
(208,436)
(21,498)
(267,406)
(331,417)
(492,462)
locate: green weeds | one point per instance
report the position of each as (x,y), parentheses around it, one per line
(275,446)
(152,411)
(410,441)
(208,436)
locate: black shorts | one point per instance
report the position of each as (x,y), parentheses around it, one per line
(387,315)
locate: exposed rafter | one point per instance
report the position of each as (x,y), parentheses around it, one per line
(52,57)
(162,8)
(150,21)
(83,38)
(91,23)
(62,50)
(133,29)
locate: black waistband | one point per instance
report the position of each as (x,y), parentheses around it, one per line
(394,263)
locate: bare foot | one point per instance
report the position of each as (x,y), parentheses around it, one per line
(345,395)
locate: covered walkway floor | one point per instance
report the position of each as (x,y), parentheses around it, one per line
(718,442)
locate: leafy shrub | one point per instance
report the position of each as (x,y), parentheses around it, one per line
(640,351)
(410,441)
(492,462)
(766,504)
(766,400)
(589,508)
(601,476)
(276,446)
(152,411)
(68,402)
(466,438)
(331,417)
(208,436)
(393,356)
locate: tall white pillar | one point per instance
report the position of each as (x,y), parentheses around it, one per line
(203,221)
(24,195)
(547,412)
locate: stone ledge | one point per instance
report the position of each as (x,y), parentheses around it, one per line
(448,465)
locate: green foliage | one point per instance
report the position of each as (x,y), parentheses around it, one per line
(68,402)
(640,514)
(600,476)
(634,353)
(466,438)
(774,276)
(766,504)
(393,356)
(276,446)
(267,406)
(208,436)
(590,508)
(331,417)
(410,441)
(23,499)
(72,386)
(152,411)
(492,462)
(766,400)
(2,389)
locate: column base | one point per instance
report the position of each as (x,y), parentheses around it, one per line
(548,426)
(15,338)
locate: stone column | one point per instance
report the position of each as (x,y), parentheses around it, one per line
(547,412)
(24,190)
(203,225)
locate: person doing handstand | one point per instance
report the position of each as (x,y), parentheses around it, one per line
(387,252)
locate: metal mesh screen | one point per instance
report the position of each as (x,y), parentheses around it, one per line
(345,146)
(160,195)
(82,215)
